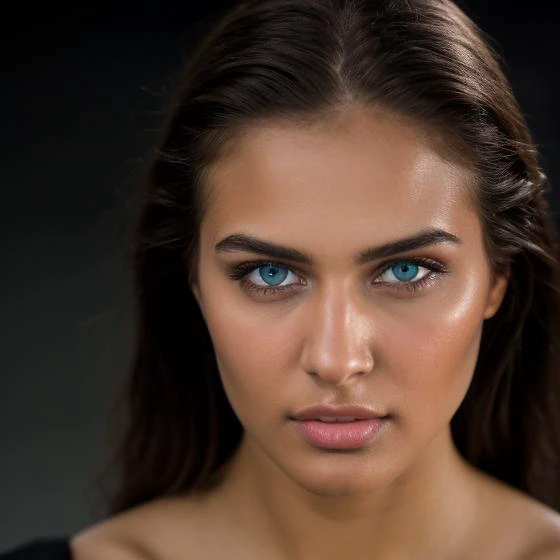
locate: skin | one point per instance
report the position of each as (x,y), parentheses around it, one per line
(343,333)
(331,192)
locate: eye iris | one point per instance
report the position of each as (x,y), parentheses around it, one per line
(404,271)
(273,274)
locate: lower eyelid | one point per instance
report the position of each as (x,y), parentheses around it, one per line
(265,291)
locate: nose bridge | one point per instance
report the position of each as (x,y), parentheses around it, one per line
(337,342)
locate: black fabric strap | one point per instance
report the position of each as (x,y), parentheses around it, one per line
(40,549)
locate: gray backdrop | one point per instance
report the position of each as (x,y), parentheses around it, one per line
(81,98)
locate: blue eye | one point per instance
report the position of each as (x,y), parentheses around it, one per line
(267,278)
(404,271)
(273,274)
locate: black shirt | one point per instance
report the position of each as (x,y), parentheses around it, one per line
(40,549)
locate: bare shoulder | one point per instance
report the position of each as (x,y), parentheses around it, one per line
(530,528)
(146,532)
(544,540)
(92,544)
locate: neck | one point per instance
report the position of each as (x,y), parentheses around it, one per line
(426,511)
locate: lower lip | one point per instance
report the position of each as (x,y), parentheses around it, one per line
(340,435)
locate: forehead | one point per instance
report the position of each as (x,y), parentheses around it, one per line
(363,175)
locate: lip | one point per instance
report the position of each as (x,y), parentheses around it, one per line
(330,427)
(337,412)
(340,435)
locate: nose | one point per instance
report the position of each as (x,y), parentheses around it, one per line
(338,342)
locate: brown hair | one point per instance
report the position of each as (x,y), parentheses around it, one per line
(299,59)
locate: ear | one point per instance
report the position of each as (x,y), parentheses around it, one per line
(196,293)
(496,293)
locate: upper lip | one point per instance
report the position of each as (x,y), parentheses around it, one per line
(316,412)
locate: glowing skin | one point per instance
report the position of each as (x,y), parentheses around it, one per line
(345,332)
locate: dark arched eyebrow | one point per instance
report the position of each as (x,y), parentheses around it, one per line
(247,243)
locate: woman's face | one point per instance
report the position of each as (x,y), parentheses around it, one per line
(343,264)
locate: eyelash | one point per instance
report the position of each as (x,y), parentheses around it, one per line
(241,271)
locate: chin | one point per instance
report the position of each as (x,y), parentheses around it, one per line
(338,474)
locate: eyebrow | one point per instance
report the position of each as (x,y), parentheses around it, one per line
(247,243)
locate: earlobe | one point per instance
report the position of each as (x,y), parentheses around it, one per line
(496,294)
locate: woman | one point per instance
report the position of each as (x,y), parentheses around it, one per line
(347,284)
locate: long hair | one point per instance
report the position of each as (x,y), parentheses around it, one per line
(298,60)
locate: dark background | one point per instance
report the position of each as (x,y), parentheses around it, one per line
(81,98)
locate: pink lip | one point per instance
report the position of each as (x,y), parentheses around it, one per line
(340,435)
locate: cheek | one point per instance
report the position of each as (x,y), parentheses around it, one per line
(254,348)
(250,338)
